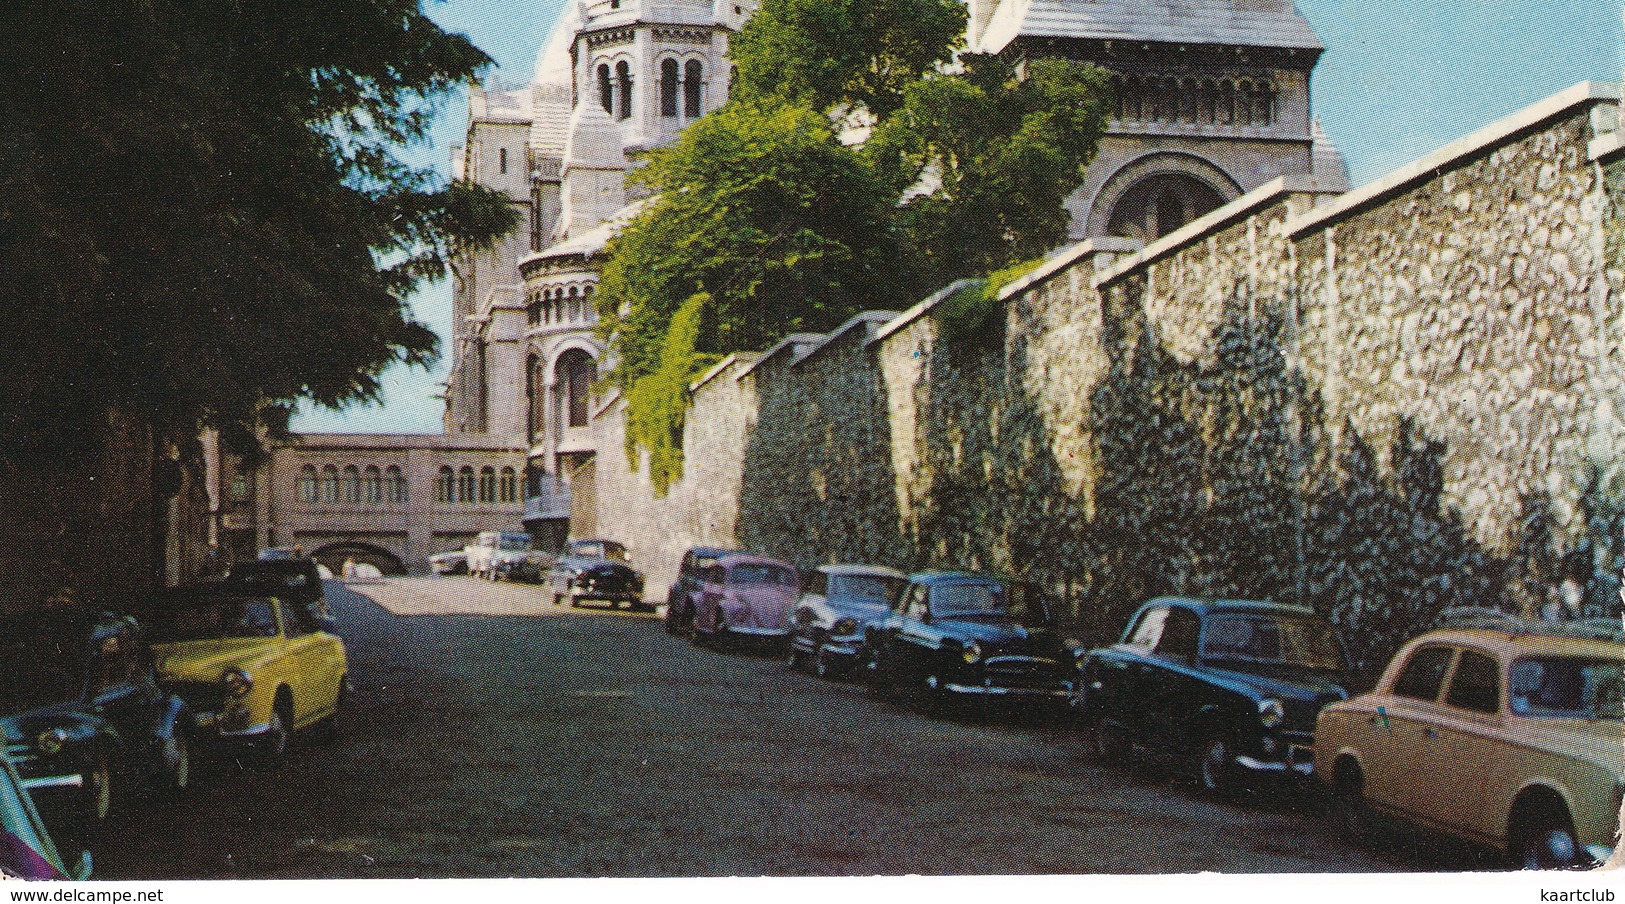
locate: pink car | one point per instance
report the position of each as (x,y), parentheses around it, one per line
(747,596)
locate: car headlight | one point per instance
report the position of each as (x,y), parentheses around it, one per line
(971,652)
(1271,713)
(51,741)
(844,627)
(236,682)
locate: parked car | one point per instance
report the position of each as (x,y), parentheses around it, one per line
(254,669)
(296,580)
(1510,737)
(1233,686)
(837,602)
(595,570)
(26,848)
(454,562)
(84,715)
(493,554)
(745,596)
(683,599)
(956,634)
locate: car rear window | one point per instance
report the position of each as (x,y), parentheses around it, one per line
(1567,688)
(761,573)
(867,586)
(213,619)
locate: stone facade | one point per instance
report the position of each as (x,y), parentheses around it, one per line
(1377,402)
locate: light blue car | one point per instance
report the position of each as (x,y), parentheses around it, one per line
(26,849)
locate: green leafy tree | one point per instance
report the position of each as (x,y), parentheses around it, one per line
(828,53)
(202,208)
(766,213)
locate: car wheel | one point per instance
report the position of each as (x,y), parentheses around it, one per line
(330,728)
(278,732)
(1548,843)
(1110,742)
(878,682)
(1349,806)
(825,667)
(177,768)
(1213,769)
(796,660)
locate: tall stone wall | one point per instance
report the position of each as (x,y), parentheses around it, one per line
(1378,403)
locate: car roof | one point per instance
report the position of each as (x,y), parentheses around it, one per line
(1219,604)
(1510,644)
(745,558)
(946,577)
(597,540)
(715,552)
(879,571)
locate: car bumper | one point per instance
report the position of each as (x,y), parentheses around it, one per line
(1278,767)
(1062,691)
(749,631)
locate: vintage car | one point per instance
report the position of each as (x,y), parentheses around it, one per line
(254,669)
(1510,737)
(454,562)
(960,635)
(26,848)
(595,570)
(744,596)
(837,602)
(84,714)
(494,554)
(684,597)
(296,579)
(1231,686)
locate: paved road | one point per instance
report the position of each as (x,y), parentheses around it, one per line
(497,735)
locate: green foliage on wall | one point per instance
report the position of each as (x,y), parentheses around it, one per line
(973,318)
(656,401)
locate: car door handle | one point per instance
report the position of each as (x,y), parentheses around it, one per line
(1430,732)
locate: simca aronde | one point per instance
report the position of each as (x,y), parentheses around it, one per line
(1510,737)
(251,667)
(837,603)
(744,596)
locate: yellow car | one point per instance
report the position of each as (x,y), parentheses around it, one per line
(1510,736)
(252,669)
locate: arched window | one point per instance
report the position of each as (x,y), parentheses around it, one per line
(350,485)
(445,486)
(1205,97)
(329,490)
(510,485)
(372,485)
(307,484)
(1264,104)
(488,484)
(576,371)
(623,75)
(395,486)
(573,311)
(1160,204)
(465,484)
(668,88)
(691,89)
(606,95)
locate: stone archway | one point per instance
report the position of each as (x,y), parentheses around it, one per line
(1156,194)
(333,556)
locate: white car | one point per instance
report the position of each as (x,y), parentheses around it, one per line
(494,553)
(454,562)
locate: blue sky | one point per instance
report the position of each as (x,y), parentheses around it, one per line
(1398,79)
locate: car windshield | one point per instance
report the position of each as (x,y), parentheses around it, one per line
(1267,640)
(514,542)
(961,598)
(38,669)
(213,619)
(868,586)
(761,573)
(1567,688)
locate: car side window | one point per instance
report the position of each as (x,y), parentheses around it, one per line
(1424,673)
(298,620)
(1476,684)
(914,603)
(1178,640)
(1149,629)
(115,663)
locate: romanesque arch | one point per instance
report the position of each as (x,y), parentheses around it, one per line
(334,555)
(1155,194)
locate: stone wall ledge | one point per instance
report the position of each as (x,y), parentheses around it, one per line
(1457,153)
(741,359)
(798,344)
(920,310)
(1606,148)
(1268,195)
(1063,260)
(869,321)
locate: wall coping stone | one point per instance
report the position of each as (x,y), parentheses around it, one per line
(919,310)
(1606,146)
(869,320)
(1065,258)
(744,358)
(795,341)
(609,400)
(1263,197)
(1502,131)
(446,442)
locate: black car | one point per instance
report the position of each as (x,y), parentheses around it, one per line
(595,570)
(296,579)
(83,714)
(957,634)
(684,596)
(1231,686)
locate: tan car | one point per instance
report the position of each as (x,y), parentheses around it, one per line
(1511,737)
